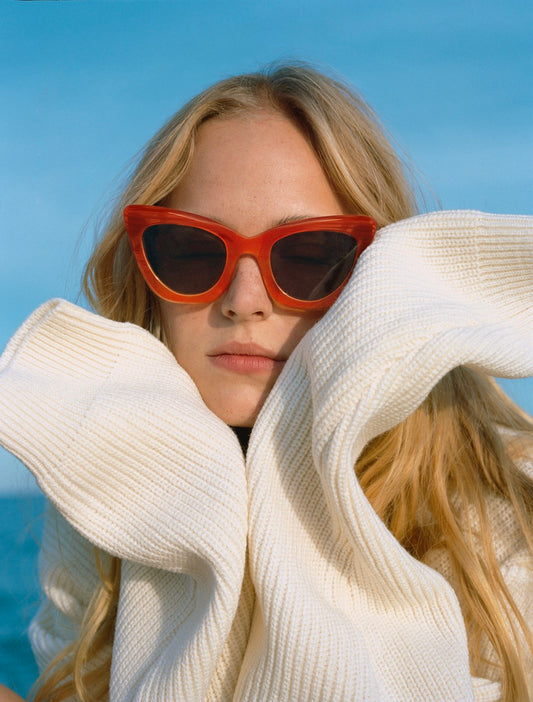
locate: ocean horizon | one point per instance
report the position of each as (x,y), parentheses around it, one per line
(20,534)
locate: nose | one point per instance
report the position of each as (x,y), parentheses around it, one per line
(246,297)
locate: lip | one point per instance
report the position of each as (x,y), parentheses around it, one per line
(245,358)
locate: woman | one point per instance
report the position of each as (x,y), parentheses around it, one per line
(284,573)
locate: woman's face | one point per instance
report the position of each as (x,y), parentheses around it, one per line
(250,172)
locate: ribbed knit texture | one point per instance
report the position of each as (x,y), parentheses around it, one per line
(121,442)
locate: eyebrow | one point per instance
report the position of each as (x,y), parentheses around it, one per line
(293,218)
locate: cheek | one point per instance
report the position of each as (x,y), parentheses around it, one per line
(182,328)
(296,328)
(307,320)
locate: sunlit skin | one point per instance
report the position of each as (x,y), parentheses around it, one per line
(6,695)
(250,172)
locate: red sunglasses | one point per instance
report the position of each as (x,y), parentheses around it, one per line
(187,258)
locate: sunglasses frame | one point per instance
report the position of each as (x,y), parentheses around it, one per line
(139,217)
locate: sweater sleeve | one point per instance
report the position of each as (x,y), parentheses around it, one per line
(68,576)
(103,415)
(114,432)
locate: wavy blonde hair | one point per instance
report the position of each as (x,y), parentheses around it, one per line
(428,478)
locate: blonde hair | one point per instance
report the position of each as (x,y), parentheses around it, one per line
(426,476)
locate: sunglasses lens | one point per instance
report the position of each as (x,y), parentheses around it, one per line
(187,260)
(312,265)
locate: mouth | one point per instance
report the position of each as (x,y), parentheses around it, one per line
(246,358)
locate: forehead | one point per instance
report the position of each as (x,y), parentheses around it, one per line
(251,143)
(250,167)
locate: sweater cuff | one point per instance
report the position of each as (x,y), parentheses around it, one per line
(51,371)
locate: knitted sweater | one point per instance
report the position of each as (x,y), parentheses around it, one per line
(269,578)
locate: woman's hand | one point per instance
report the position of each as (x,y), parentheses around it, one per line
(7,695)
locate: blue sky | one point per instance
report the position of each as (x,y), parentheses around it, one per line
(85,83)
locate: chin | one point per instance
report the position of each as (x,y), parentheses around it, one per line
(236,414)
(238,419)
(234,405)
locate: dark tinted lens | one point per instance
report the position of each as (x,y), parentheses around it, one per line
(311,265)
(187,260)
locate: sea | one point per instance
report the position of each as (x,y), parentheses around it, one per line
(20,532)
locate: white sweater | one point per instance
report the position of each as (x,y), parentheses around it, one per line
(270,578)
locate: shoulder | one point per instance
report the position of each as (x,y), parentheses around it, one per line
(7,695)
